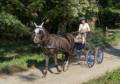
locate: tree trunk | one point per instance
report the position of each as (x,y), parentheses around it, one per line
(62,28)
(93,23)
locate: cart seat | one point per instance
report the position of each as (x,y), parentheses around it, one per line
(79,45)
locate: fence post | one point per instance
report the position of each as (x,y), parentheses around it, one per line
(106,31)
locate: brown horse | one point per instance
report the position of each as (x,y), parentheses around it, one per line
(52,44)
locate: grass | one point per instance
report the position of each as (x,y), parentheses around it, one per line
(113,39)
(18,56)
(117,37)
(108,78)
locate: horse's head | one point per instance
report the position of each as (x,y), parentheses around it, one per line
(39,33)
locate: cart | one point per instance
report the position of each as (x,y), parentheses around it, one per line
(88,52)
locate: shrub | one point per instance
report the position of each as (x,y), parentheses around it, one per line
(98,38)
(10,26)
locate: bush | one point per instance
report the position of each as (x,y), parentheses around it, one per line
(98,38)
(10,26)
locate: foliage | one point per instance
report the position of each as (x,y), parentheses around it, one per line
(16,56)
(11,26)
(61,13)
(66,13)
(109,78)
(116,37)
(97,38)
(109,14)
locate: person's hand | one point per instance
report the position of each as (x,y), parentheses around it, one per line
(89,32)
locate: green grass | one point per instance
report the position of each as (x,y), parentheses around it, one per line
(109,78)
(117,37)
(16,56)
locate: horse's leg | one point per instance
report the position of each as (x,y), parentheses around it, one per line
(56,63)
(46,65)
(66,62)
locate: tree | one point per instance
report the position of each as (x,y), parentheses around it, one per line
(62,15)
(11,27)
(109,13)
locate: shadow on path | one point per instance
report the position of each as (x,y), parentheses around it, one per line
(29,77)
(114,50)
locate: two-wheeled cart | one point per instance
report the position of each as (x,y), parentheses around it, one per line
(88,52)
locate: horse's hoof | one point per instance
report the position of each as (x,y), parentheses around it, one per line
(58,70)
(65,69)
(44,76)
(78,63)
(57,73)
(44,73)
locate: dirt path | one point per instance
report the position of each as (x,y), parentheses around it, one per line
(76,74)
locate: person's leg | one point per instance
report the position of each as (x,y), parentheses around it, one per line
(84,35)
(83,39)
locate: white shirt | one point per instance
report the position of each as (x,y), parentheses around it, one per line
(84,28)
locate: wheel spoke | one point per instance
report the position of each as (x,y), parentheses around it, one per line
(90,59)
(99,56)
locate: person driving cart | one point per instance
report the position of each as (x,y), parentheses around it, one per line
(84,28)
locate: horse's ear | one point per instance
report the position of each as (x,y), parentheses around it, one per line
(35,24)
(48,20)
(41,24)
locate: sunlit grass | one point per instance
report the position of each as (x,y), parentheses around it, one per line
(117,37)
(108,78)
(21,61)
(18,54)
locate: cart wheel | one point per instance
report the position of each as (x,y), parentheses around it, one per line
(99,55)
(90,58)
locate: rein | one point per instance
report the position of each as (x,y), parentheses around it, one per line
(44,40)
(75,32)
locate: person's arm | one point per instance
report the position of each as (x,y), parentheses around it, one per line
(80,27)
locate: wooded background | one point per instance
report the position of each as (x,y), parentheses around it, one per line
(17,16)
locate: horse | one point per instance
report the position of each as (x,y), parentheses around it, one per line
(53,44)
